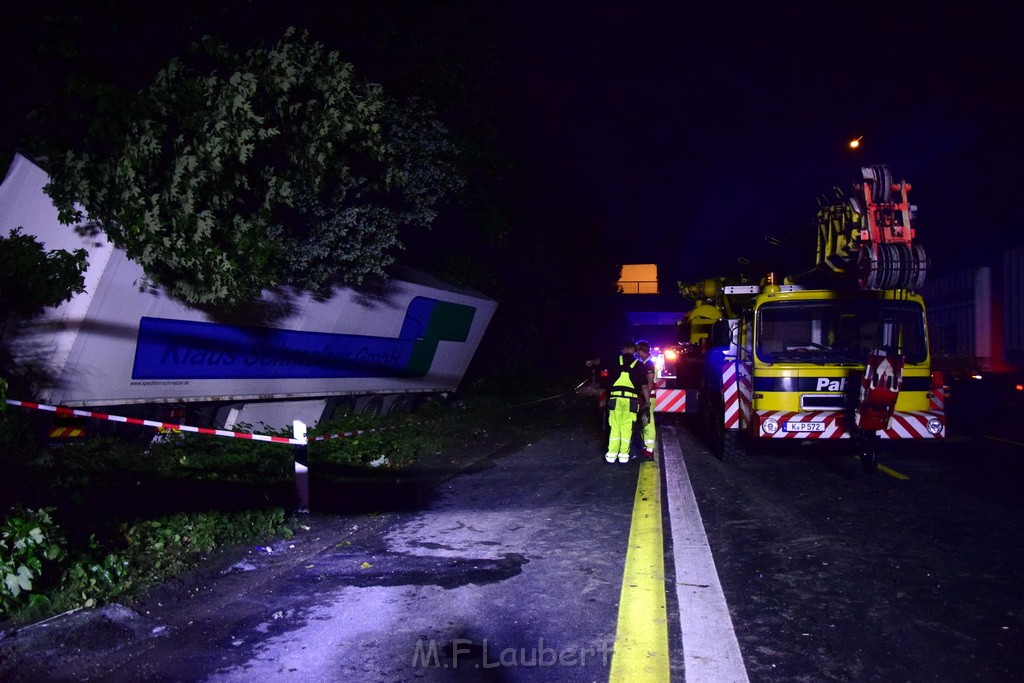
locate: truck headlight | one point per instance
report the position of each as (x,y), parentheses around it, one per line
(770,426)
(934,426)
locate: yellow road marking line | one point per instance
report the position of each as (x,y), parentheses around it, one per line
(641,636)
(893,473)
(888,470)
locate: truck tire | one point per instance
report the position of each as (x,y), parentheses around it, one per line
(726,443)
(400,404)
(732,444)
(340,406)
(369,405)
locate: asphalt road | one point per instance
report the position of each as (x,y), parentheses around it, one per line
(913,573)
(511,568)
(506,571)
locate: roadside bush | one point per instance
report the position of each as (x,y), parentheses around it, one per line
(145,553)
(195,456)
(87,523)
(30,544)
(95,577)
(399,440)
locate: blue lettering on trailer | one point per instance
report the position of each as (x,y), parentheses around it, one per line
(185,349)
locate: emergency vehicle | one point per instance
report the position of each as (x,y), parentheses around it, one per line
(838,352)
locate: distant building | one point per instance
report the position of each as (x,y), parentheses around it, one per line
(654,316)
(639,279)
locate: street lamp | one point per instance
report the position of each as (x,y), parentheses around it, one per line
(854,144)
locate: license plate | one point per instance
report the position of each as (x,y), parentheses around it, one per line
(803,426)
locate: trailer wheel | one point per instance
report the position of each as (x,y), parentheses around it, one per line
(341,406)
(402,404)
(371,405)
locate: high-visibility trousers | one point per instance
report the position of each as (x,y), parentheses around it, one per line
(647,433)
(621,417)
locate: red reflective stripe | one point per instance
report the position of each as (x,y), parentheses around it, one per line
(910,426)
(68,432)
(839,425)
(671,401)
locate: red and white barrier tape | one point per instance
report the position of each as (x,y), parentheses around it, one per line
(60,410)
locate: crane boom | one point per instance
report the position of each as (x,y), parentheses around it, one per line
(870,234)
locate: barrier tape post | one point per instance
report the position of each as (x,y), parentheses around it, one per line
(301,466)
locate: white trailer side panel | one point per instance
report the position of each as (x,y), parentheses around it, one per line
(116,344)
(23,204)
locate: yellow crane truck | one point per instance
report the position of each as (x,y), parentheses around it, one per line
(838,352)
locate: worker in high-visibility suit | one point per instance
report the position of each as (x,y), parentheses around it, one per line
(625,399)
(643,354)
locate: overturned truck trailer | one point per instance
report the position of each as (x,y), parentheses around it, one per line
(288,356)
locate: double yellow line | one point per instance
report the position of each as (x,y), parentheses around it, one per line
(641,638)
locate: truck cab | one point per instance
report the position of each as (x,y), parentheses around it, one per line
(801,358)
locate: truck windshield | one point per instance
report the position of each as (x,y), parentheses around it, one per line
(839,331)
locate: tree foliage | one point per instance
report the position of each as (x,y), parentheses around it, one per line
(230,173)
(32,278)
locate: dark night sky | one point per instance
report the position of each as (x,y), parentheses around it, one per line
(712,129)
(694,133)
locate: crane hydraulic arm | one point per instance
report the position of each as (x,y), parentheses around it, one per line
(870,234)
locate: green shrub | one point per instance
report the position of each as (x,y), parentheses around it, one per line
(400,440)
(30,544)
(200,457)
(96,576)
(145,553)
(97,555)
(159,548)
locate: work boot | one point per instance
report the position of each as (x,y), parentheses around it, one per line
(609,457)
(649,454)
(623,457)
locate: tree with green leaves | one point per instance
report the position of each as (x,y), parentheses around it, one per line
(32,278)
(230,173)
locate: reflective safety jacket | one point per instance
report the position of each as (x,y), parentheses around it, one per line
(625,383)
